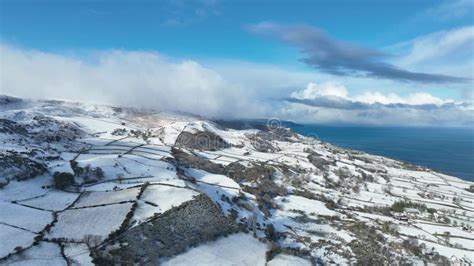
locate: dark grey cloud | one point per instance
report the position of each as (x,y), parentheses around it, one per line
(342,58)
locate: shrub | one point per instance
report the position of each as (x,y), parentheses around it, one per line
(270,232)
(78,171)
(411,245)
(471,188)
(92,241)
(63,180)
(343,173)
(400,205)
(318,161)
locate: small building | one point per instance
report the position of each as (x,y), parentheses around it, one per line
(412,212)
(403,218)
(400,216)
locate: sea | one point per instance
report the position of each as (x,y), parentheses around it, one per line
(447,150)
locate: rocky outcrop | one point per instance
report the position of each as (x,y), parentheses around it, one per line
(11,127)
(201,140)
(42,128)
(186,160)
(15,166)
(48,129)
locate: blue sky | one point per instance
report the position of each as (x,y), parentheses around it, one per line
(387,52)
(211,28)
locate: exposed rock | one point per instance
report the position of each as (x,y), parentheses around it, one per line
(278,133)
(183,159)
(262,144)
(52,130)
(12,127)
(201,140)
(42,128)
(4,100)
(319,162)
(264,188)
(15,166)
(240,173)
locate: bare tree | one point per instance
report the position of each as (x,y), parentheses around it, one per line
(92,241)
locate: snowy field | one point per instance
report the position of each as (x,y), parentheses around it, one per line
(164,197)
(24,217)
(101,221)
(95,198)
(238,249)
(288,260)
(13,237)
(44,254)
(53,200)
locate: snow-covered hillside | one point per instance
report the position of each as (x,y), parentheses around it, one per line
(87,184)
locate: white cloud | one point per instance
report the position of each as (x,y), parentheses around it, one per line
(330,102)
(144,79)
(448,52)
(314,90)
(218,89)
(439,45)
(334,89)
(419,98)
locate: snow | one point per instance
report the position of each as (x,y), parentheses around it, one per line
(288,260)
(303,204)
(215,186)
(104,198)
(20,190)
(44,254)
(128,166)
(374,197)
(11,238)
(78,253)
(93,125)
(24,217)
(371,216)
(62,167)
(441,229)
(448,251)
(463,242)
(54,200)
(237,249)
(110,185)
(218,180)
(416,232)
(75,224)
(142,161)
(166,197)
